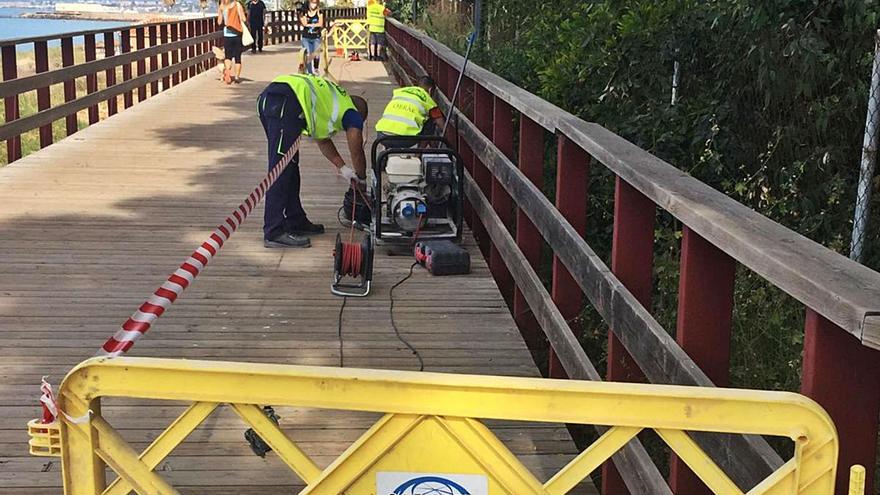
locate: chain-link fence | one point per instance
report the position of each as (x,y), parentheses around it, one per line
(869,160)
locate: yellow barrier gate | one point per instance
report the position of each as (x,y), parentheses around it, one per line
(424,443)
(349,34)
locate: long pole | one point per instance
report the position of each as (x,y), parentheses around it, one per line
(467,56)
(869,160)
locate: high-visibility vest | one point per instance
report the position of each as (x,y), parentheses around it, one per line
(407,112)
(323,103)
(376,17)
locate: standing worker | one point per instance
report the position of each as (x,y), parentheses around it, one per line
(412,111)
(313,22)
(376,13)
(257,19)
(304,104)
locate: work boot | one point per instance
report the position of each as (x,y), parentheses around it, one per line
(287,241)
(307,228)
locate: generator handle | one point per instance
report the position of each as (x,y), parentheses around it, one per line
(415,139)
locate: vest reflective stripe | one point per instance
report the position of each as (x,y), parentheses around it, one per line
(407,112)
(323,103)
(376,17)
(414,101)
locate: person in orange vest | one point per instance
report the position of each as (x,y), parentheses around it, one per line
(376,14)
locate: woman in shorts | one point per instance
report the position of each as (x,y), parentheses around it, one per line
(231,16)
(312,21)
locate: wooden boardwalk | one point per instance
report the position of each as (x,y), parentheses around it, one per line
(91,225)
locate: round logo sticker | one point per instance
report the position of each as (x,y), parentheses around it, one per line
(430,485)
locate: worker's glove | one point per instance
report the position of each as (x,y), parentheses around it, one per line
(350,174)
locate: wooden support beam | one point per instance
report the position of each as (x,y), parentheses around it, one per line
(531,164)
(11,109)
(705,316)
(110,72)
(44,97)
(91,79)
(572,179)
(502,136)
(843,376)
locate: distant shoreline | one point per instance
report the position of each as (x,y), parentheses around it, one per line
(100,16)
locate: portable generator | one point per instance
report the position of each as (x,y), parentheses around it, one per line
(417,192)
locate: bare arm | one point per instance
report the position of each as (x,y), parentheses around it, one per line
(355,140)
(241,12)
(320,23)
(303,21)
(220,15)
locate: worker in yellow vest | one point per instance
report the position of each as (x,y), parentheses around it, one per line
(412,111)
(305,104)
(376,14)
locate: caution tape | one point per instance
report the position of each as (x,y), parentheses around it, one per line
(139,322)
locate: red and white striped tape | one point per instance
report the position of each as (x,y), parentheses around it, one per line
(139,322)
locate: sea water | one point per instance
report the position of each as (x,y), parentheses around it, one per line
(12,25)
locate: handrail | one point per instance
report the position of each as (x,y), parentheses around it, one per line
(747,459)
(838,288)
(166,52)
(76,34)
(458,404)
(20,85)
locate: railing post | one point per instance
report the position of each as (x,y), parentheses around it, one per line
(191,33)
(69,85)
(154,59)
(141,63)
(482,118)
(572,180)
(632,260)
(163,39)
(184,52)
(705,317)
(91,79)
(110,74)
(175,54)
(502,203)
(528,239)
(140,42)
(843,376)
(463,147)
(10,103)
(44,98)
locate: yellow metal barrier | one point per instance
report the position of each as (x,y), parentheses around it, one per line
(349,34)
(417,439)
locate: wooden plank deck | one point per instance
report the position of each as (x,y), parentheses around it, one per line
(91,225)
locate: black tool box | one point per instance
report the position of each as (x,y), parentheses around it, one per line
(443,257)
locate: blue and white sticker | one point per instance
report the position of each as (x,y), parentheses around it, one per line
(399,483)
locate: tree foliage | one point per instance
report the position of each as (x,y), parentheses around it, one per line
(771,111)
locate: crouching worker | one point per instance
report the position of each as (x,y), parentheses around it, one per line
(411,112)
(303,104)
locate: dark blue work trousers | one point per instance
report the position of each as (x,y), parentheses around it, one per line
(282,119)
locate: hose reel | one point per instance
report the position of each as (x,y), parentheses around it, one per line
(352,267)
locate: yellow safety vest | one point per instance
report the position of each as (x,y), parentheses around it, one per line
(407,112)
(323,103)
(376,17)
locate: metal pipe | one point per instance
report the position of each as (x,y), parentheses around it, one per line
(675,76)
(467,56)
(869,159)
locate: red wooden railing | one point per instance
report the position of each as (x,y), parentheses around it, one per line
(187,41)
(841,365)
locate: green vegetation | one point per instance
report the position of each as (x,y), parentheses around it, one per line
(771,111)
